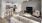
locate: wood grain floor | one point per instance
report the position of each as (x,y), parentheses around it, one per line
(2,20)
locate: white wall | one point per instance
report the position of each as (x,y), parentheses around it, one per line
(33,3)
(41,8)
(3,9)
(18,5)
(0,8)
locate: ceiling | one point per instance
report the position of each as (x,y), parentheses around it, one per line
(13,1)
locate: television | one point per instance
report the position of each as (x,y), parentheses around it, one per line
(29,10)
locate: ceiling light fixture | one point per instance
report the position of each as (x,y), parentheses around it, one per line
(27,0)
